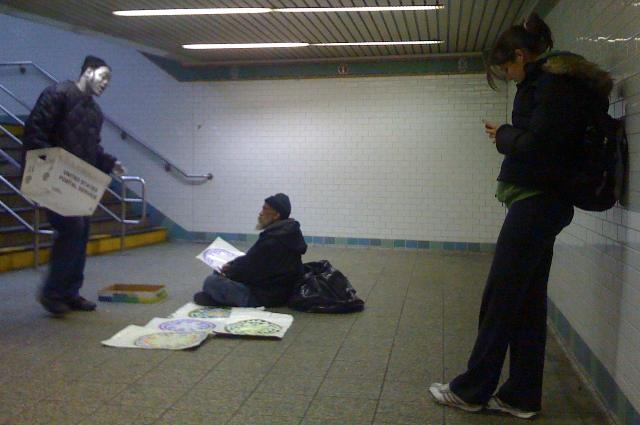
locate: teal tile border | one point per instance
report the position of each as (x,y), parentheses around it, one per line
(601,379)
(373,68)
(177,232)
(543,7)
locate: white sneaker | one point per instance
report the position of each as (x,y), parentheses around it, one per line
(442,394)
(498,405)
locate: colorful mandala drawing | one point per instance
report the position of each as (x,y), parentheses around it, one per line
(208,313)
(219,254)
(187,325)
(253,327)
(169,340)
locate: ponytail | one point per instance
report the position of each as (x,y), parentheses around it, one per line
(533,36)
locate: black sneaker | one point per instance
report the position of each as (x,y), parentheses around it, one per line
(53,306)
(204,299)
(81,304)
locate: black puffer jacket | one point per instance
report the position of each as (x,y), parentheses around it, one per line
(273,264)
(65,117)
(551,110)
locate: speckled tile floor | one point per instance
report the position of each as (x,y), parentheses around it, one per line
(366,368)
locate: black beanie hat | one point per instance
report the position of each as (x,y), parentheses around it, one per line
(280,203)
(93,63)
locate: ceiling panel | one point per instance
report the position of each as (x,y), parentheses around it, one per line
(465,26)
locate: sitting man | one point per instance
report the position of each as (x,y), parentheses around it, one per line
(265,275)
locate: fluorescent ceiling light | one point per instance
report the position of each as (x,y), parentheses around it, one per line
(380,43)
(176,12)
(356,9)
(242,46)
(277,45)
(244,10)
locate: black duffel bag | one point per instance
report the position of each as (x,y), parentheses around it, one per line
(324,289)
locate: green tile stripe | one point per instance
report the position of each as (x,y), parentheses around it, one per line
(177,232)
(543,7)
(420,66)
(614,399)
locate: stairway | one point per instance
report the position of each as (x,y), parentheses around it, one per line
(17,243)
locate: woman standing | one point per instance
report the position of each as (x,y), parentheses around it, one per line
(557,97)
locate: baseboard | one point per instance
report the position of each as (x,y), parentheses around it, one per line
(591,368)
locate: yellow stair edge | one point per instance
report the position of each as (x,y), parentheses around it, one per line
(15,129)
(99,244)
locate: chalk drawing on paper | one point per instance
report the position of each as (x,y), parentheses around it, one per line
(210,312)
(187,325)
(253,327)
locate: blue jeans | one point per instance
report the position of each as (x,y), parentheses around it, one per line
(225,291)
(514,307)
(68,256)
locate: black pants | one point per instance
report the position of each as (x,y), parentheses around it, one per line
(514,307)
(68,256)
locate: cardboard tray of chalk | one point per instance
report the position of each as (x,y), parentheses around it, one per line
(132,293)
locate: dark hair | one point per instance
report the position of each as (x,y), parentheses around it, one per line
(533,35)
(93,63)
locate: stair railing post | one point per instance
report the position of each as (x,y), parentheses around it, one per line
(36,237)
(123,214)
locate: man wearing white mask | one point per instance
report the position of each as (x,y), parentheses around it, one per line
(66,116)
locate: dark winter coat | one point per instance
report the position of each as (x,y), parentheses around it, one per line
(273,264)
(551,110)
(65,117)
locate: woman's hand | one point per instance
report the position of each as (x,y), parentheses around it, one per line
(491,128)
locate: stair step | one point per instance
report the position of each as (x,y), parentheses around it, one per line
(8,222)
(18,257)
(44,224)
(12,199)
(93,237)
(13,128)
(11,147)
(18,235)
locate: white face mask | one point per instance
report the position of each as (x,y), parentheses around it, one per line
(98,79)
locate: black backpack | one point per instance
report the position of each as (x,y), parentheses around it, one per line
(324,289)
(598,178)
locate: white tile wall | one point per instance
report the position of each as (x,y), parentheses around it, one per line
(401,157)
(595,280)
(398,157)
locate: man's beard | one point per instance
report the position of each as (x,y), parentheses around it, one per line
(262,226)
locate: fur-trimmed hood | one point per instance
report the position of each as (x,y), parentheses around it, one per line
(567,63)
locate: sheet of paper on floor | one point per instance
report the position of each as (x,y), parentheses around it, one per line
(182,324)
(238,320)
(152,338)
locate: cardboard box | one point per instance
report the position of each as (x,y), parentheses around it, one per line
(62,182)
(132,293)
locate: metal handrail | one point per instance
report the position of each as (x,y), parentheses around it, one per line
(16,215)
(12,115)
(121,179)
(14,97)
(123,199)
(124,133)
(9,159)
(35,228)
